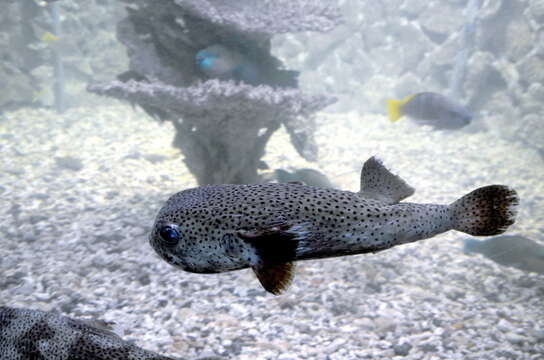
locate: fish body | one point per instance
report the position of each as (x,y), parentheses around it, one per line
(305,176)
(218,61)
(60,44)
(428,108)
(509,250)
(49,38)
(221,62)
(27,334)
(267,227)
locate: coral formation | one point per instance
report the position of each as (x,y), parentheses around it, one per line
(222,126)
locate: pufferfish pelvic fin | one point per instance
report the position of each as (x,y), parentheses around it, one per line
(394,107)
(378,183)
(275,278)
(276,247)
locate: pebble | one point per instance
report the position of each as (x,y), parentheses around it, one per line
(514,339)
(402,349)
(504,326)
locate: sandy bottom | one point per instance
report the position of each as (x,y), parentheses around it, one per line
(74,239)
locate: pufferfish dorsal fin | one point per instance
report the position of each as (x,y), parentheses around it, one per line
(275,246)
(275,278)
(380,184)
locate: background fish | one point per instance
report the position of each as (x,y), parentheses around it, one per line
(63,44)
(268,226)
(306,176)
(36,335)
(48,37)
(428,108)
(222,62)
(509,250)
(217,61)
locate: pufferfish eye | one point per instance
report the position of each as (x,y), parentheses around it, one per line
(169,234)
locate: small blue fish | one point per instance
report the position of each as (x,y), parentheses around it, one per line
(254,68)
(509,250)
(219,62)
(428,108)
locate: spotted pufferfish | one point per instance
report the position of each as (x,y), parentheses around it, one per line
(267,227)
(28,334)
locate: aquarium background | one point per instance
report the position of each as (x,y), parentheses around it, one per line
(80,187)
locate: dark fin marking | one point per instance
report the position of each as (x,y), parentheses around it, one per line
(276,247)
(486,211)
(275,278)
(380,184)
(275,244)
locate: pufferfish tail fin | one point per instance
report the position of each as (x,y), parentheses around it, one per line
(394,107)
(378,183)
(486,211)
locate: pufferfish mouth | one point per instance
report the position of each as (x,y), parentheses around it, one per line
(172,260)
(179,263)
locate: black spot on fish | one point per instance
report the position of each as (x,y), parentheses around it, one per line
(27,345)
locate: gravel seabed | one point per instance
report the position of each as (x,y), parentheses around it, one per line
(74,239)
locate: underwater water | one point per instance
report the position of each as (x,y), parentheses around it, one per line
(81,189)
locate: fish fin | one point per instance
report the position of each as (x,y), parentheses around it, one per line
(274,244)
(489,210)
(275,278)
(394,107)
(380,184)
(393,110)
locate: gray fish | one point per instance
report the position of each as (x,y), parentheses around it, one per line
(305,176)
(36,335)
(510,250)
(267,227)
(428,108)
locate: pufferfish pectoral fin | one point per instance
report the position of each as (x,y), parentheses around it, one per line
(276,249)
(380,184)
(275,278)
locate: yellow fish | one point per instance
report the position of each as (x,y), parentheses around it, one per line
(49,38)
(428,108)
(36,95)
